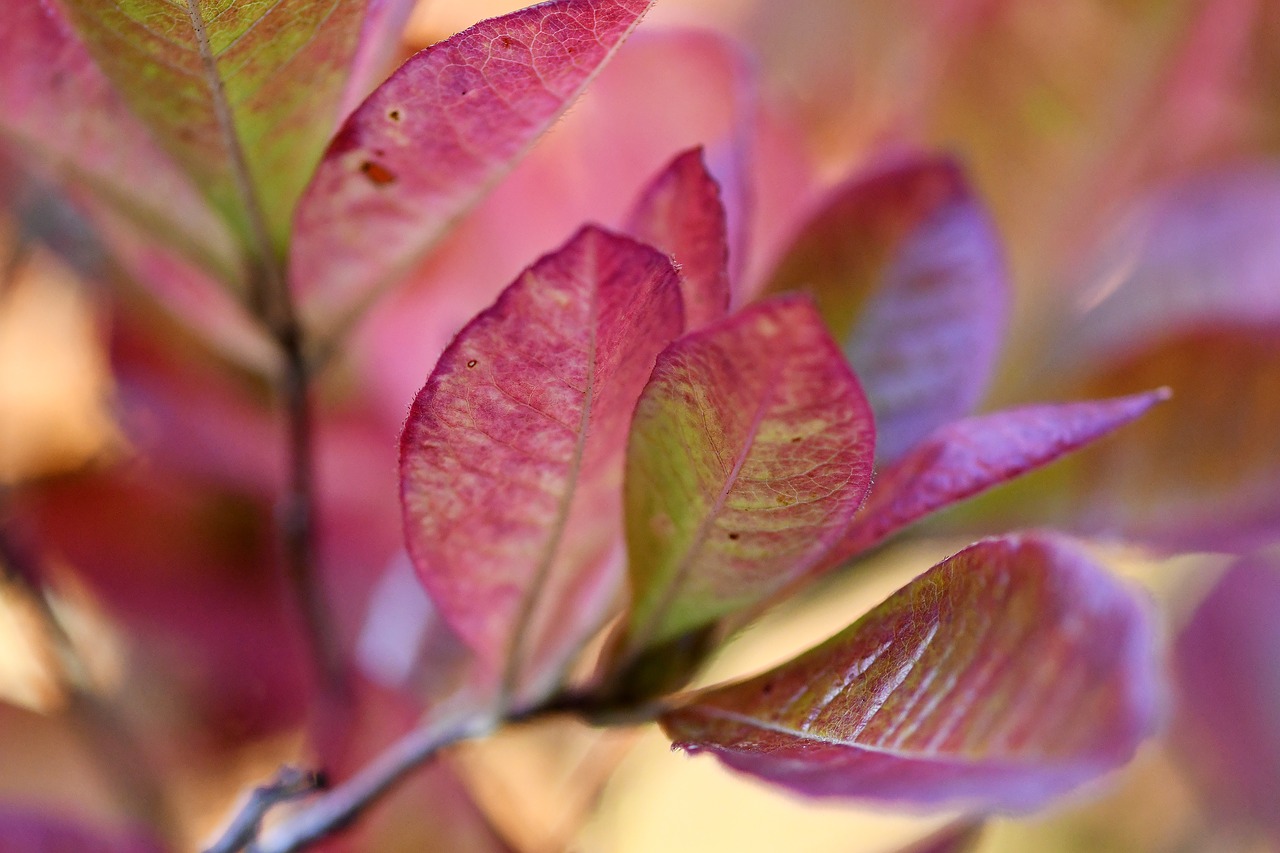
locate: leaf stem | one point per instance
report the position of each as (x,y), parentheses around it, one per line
(339,807)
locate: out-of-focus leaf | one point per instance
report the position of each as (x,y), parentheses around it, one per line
(1229,692)
(1186,295)
(29,832)
(511,458)
(907,270)
(378,51)
(1006,675)
(64,120)
(681,214)
(970,456)
(750,451)
(235,91)
(431,139)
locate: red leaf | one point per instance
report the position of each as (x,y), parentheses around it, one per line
(1002,677)
(1229,692)
(512,454)
(680,213)
(750,451)
(970,456)
(436,135)
(906,268)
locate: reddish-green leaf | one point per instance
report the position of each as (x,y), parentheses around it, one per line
(1008,674)
(428,142)
(907,270)
(970,456)
(511,458)
(241,93)
(680,213)
(63,119)
(750,451)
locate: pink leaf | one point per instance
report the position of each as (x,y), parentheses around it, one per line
(750,451)
(378,50)
(1229,692)
(906,268)
(1008,674)
(680,213)
(960,837)
(970,456)
(512,454)
(434,137)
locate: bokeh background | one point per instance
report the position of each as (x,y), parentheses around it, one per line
(1128,152)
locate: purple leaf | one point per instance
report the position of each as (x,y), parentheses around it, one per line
(63,120)
(512,454)
(29,832)
(906,268)
(750,451)
(1004,676)
(437,134)
(970,456)
(378,50)
(1229,692)
(680,213)
(1186,295)
(243,95)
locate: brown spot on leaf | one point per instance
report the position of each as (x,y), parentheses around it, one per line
(735,536)
(394,115)
(377,174)
(506,41)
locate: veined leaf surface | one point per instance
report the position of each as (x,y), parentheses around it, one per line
(1002,677)
(239,92)
(437,134)
(750,451)
(906,268)
(511,459)
(680,213)
(64,120)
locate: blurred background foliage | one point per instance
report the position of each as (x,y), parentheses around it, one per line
(1088,127)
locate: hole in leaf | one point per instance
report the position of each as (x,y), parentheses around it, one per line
(471,363)
(379,175)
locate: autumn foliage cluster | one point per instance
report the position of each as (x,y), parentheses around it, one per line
(656,367)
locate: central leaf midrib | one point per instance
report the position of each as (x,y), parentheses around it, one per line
(702,534)
(529,603)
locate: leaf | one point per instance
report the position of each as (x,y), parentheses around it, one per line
(66,123)
(1229,690)
(961,836)
(25,831)
(238,92)
(378,50)
(512,454)
(1184,295)
(750,451)
(1004,676)
(680,213)
(437,134)
(970,456)
(906,268)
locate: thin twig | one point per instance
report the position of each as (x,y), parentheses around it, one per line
(336,809)
(290,783)
(270,299)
